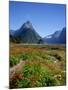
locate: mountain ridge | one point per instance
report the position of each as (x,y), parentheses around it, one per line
(26,34)
(58,37)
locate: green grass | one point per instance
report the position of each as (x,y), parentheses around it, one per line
(40,69)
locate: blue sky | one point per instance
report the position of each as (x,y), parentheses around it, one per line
(45,18)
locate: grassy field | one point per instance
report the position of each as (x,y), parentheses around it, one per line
(37,65)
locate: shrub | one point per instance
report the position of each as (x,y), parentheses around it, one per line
(30,70)
(24,56)
(13,61)
(47,80)
(58,57)
(23,83)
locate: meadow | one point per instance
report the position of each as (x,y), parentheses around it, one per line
(37,65)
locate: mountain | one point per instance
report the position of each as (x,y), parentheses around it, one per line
(62,36)
(59,37)
(12,32)
(26,34)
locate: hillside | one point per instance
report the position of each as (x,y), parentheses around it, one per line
(37,65)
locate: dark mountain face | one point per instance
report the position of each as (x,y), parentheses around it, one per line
(27,34)
(59,37)
(56,34)
(12,32)
(62,36)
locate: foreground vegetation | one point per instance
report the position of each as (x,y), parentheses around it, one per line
(44,65)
